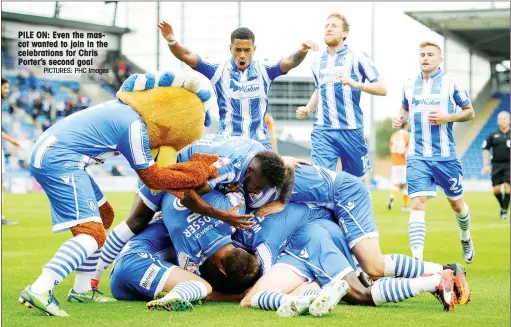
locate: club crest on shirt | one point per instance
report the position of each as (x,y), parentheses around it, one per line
(92,205)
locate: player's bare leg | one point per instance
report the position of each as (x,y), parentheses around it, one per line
(405,198)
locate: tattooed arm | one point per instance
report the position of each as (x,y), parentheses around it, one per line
(437,118)
(296,58)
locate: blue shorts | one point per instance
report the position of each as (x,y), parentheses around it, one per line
(423,176)
(352,207)
(314,252)
(349,145)
(73,198)
(152,199)
(139,276)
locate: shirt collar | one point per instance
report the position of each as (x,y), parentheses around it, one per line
(435,74)
(342,51)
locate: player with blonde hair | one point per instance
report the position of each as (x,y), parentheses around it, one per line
(430,100)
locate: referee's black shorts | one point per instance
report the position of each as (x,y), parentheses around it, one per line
(500,173)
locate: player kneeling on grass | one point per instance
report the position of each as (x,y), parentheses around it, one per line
(319,250)
(58,163)
(143,271)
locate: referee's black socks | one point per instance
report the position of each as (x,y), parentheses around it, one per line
(500,199)
(505,201)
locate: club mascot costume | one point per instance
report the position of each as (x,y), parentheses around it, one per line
(176,107)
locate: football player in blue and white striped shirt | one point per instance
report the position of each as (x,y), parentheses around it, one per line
(430,100)
(339,75)
(241,83)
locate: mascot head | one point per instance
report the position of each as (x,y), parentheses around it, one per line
(174,105)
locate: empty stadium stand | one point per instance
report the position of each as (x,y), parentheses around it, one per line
(472,159)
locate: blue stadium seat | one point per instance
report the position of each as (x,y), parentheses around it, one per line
(472,160)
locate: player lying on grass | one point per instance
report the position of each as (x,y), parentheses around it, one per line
(242,161)
(350,202)
(140,272)
(198,238)
(319,251)
(143,269)
(58,162)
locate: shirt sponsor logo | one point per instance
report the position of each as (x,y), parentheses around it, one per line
(425,102)
(330,74)
(149,276)
(245,90)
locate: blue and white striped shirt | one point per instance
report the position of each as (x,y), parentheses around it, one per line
(440,92)
(242,96)
(339,105)
(91,136)
(235,155)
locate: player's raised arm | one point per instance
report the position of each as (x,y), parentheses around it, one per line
(177,49)
(10,139)
(297,57)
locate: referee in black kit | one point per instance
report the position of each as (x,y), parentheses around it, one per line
(499,141)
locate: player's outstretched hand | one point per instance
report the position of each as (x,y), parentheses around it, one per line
(166,30)
(309,45)
(397,121)
(295,162)
(486,170)
(302,112)
(270,209)
(233,218)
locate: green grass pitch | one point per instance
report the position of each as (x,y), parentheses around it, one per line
(28,246)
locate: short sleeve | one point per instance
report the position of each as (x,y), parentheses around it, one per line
(274,70)
(404,99)
(134,146)
(460,96)
(206,68)
(487,144)
(367,68)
